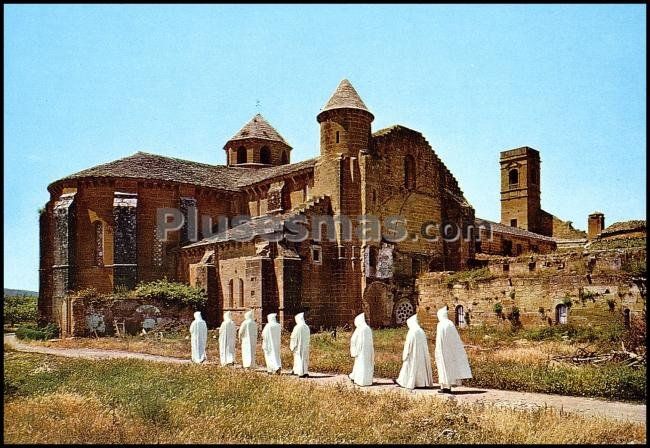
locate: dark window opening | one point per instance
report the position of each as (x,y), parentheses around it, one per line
(506,267)
(561,314)
(285,158)
(460,316)
(513,177)
(241,293)
(265,155)
(626,317)
(416,266)
(99,243)
(513,223)
(478,247)
(241,155)
(337,137)
(316,254)
(231,294)
(372,256)
(506,247)
(409,172)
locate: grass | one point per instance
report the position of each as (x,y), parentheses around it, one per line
(56,400)
(500,358)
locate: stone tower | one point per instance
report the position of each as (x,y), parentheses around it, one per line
(520,191)
(257,145)
(344,134)
(595,225)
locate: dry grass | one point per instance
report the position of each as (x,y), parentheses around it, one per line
(503,361)
(49,399)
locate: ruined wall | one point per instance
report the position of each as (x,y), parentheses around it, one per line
(494,243)
(536,297)
(580,262)
(90,316)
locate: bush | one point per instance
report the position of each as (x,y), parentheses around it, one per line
(172,292)
(20,309)
(498,308)
(49,331)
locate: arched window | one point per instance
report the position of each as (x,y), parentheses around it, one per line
(265,155)
(561,314)
(285,158)
(409,172)
(99,243)
(241,293)
(513,177)
(231,294)
(460,316)
(241,155)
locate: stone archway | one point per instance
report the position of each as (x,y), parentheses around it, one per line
(378,305)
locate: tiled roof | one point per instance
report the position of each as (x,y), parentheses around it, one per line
(345,97)
(261,225)
(258,127)
(254,176)
(500,228)
(142,165)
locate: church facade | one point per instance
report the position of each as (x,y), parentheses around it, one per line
(101,226)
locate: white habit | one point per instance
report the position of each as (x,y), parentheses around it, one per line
(199,338)
(363,352)
(227,335)
(451,359)
(271,344)
(416,367)
(248,340)
(299,345)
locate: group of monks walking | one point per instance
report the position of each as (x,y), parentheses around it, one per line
(451,359)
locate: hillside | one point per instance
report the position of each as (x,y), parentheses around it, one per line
(20,292)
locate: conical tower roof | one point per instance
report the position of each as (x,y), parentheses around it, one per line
(258,127)
(345,97)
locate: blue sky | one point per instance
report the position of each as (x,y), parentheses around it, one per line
(87,84)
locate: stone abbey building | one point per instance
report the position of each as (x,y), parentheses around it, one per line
(99,227)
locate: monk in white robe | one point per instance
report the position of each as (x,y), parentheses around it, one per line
(227,337)
(416,366)
(363,352)
(299,346)
(248,340)
(199,338)
(271,344)
(451,359)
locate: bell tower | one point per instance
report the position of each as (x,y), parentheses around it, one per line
(520,190)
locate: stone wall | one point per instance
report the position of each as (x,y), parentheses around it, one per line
(90,316)
(593,300)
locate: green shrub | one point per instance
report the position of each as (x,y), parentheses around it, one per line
(20,309)
(171,292)
(49,331)
(498,308)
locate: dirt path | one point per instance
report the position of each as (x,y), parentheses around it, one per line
(500,398)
